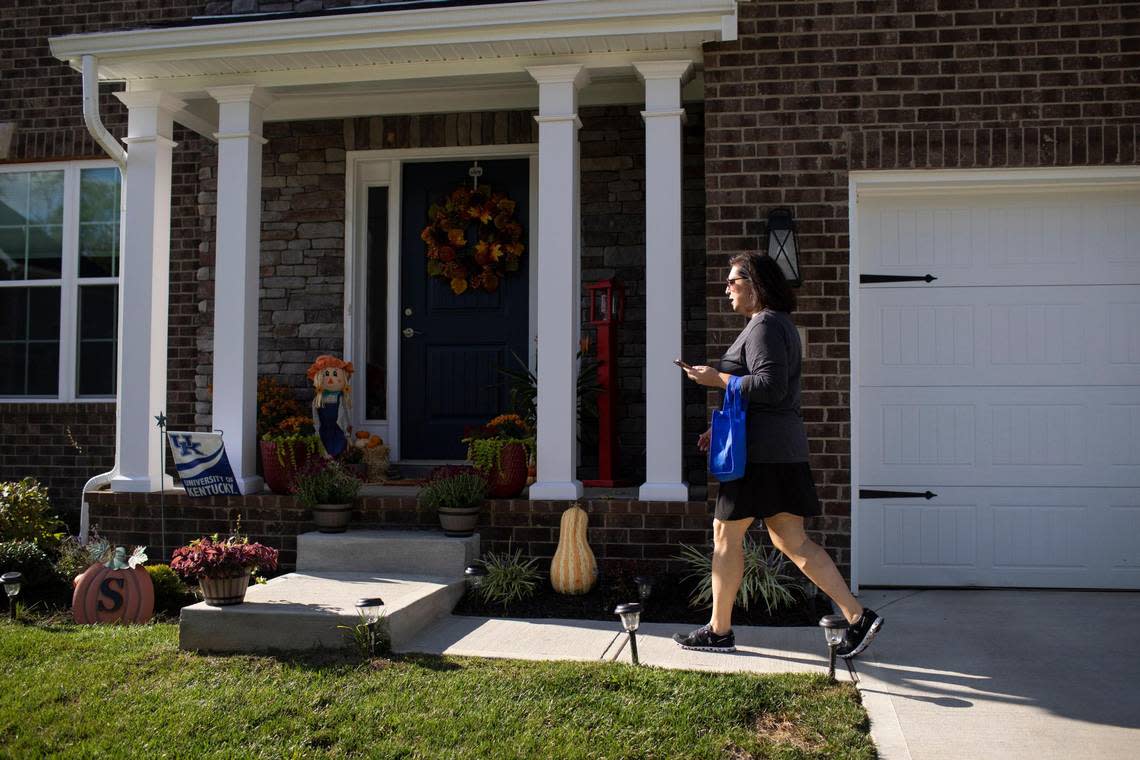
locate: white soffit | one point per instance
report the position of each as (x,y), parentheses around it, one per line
(410,44)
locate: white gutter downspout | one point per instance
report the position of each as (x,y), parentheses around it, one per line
(91,114)
(116,152)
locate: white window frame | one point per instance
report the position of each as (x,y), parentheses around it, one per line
(69,282)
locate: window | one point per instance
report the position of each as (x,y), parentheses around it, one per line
(59,280)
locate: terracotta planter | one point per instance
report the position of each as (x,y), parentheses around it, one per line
(222,592)
(508,479)
(332,518)
(279,477)
(459,521)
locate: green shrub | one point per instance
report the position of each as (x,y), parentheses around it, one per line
(41,581)
(325,481)
(466,489)
(170,593)
(509,578)
(74,557)
(765,577)
(25,514)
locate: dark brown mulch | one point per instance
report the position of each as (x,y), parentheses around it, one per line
(669,603)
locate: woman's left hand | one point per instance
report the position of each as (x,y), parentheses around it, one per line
(705,375)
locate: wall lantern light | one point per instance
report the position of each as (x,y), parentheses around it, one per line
(783,245)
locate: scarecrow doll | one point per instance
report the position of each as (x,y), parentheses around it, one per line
(332,400)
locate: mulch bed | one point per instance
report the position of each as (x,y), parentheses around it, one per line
(669,603)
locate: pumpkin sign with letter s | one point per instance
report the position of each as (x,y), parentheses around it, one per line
(116,591)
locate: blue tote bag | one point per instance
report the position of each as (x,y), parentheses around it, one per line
(728,451)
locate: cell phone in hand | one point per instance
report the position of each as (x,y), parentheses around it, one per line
(681,364)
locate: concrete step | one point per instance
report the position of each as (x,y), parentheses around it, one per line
(302,611)
(415,552)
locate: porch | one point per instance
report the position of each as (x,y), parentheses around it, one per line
(233,82)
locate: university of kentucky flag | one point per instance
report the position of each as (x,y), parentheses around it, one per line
(202,464)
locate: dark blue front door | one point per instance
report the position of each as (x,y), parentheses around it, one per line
(449,378)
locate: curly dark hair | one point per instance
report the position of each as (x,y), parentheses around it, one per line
(767,280)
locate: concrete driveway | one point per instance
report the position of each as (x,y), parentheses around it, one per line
(1004,674)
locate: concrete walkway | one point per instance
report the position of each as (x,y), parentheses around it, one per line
(954,674)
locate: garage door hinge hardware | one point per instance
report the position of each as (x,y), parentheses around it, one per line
(866,493)
(871,278)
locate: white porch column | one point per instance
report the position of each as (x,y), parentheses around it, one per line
(240,110)
(559,279)
(144,289)
(664,413)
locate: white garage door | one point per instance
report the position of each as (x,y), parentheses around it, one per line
(1008,388)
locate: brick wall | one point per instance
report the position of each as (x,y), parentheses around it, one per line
(65,444)
(647,534)
(813,90)
(612,142)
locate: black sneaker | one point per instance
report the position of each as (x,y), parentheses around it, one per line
(704,640)
(860,634)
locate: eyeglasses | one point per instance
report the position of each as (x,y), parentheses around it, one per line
(732,280)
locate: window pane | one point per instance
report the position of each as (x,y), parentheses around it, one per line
(12,365)
(13,198)
(98,249)
(43,368)
(45,198)
(13,314)
(97,305)
(99,195)
(43,314)
(13,247)
(29,341)
(376,331)
(45,252)
(95,372)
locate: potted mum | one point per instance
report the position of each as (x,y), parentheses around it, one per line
(286,436)
(222,567)
(500,450)
(456,494)
(327,488)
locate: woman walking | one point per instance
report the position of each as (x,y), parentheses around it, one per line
(777,486)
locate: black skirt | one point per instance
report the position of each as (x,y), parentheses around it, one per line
(766,489)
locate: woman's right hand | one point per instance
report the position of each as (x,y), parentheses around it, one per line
(704,439)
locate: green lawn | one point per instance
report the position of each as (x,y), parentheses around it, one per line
(129,692)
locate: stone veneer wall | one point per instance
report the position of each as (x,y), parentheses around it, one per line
(813,90)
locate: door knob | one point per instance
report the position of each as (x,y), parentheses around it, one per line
(409,332)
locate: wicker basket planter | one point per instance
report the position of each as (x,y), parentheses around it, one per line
(222,592)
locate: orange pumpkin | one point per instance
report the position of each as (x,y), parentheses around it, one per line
(103,595)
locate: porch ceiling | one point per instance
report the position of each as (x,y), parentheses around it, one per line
(481,41)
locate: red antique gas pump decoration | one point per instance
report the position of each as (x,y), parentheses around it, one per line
(607,306)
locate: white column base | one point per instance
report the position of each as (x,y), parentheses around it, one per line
(130,484)
(556,491)
(663,492)
(251,485)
